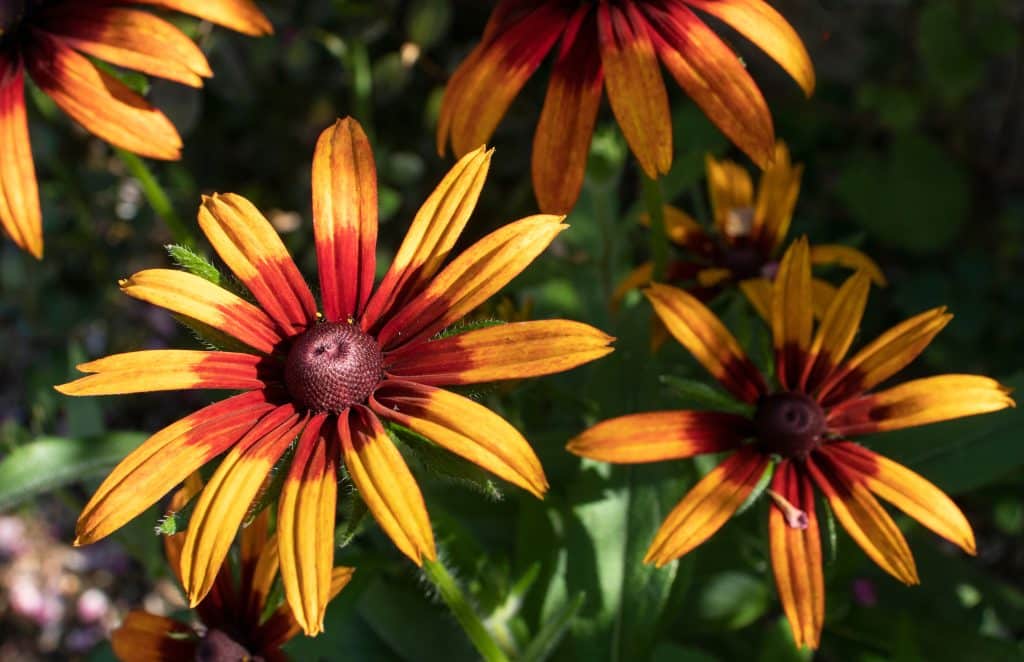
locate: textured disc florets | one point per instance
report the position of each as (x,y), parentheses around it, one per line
(789,424)
(332,366)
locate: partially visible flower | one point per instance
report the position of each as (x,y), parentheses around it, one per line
(616,45)
(235,625)
(53,40)
(331,380)
(802,428)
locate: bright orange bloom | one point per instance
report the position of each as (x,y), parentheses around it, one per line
(331,380)
(52,40)
(232,613)
(803,428)
(617,44)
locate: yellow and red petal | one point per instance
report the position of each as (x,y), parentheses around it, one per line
(505,351)
(848,257)
(796,556)
(431,237)
(700,331)
(906,490)
(254,252)
(636,91)
(919,402)
(169,370)
(226,499)
(130,38)
(201,300)
(465,428)
(561,143)
(661,435)
(99,102)
(730,189)
(884,357)
(835,333)
(305,525)
(145,637)
(386,484)
(20,215)
(238,15)
(792,315)
(166,459)
(714,77)
(470,279)
(777,192)
(863,518)
(768,30)
(707,506)
(759,293)
(345,218)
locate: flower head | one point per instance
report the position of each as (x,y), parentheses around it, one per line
(329,380)
(616,45)
(803,429)
(52,40)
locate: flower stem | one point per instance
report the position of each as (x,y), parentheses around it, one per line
(456,600)
(654,201)
(157,197)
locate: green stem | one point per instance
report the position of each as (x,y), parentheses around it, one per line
(157,197)
(655,203)
(456,600)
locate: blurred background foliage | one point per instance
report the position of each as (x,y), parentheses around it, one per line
(914,152)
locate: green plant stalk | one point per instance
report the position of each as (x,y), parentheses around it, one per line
(654,201)
(464,613)
(157,198)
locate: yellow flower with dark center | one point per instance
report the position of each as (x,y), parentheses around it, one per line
(804,428)
(52,40)
(616,45)
(235,625)
(330,382)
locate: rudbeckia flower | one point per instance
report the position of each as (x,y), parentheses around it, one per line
(742,248)
(327,380)
(803,428)
(235,625)
(617,45)
(53,40)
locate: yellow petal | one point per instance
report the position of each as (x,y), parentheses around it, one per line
(792,316)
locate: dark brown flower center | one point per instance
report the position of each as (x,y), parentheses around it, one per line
(332,366)
(218,646)
(789,424)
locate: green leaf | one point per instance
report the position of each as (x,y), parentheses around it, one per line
(702,395)
(194,263)
(49,463)
(733,600)
(427,21)
(443,463)
(553,631)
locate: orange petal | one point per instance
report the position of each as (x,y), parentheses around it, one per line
(714,77)
(19,195)
(168,370)
(700,331)
(99,102)
(561,144)
(796,556)
(707,506)
(863,518)
(130,38)
(506,351)
(883,358)
(661,435)
(777,192)
(906,490)
(835,333)
(848,257)
(465,428)
(730,189)
(226,499)
(431,237)
(201,300)
(768,30)
(636,91)
(759,293)
(482,270)
(345,218)
(305,526)
(164,460)
(386,484)
(144,637)
(792,316)
(919,402)
(238,15)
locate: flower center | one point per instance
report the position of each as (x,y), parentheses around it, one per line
(789,424)
(218,646)
(332,366)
